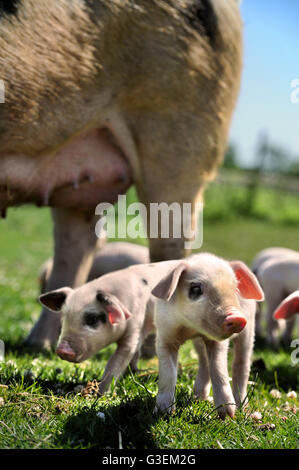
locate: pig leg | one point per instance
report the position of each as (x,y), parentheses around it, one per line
(75,245)
(168,358)
(134,361)
(258,321)
(166,177)
(287,334)
(222,393)
(126,351)
(202,383)
(148,332)
(273,296)
(243,346)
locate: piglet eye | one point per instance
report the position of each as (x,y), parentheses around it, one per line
(94,319)
(195,291)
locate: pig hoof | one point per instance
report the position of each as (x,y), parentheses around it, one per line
(168,411)
(226,410)
(39,344)
(202,395)
(164,405)
(39,341)
(45,333)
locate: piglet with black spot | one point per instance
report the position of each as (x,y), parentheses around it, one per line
(117,307)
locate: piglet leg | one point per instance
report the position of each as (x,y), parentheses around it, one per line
(168,358)
(274,295)
(126,351)
(202,383)
(287,334)
(243,346)
(75,245)
(222,393)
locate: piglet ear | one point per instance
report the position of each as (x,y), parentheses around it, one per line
(115,309)
(55,299)
(288,307)
(248,284)
(116,312)
(166,287)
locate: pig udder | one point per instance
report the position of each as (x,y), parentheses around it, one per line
(89,169)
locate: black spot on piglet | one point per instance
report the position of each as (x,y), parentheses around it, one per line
(102,298)
(9,7)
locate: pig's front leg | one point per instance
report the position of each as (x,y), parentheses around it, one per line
(202,383)
(243,346)
(274,295)
(168,358)
(287,334)
(75,244)
(222,393)
(127,348)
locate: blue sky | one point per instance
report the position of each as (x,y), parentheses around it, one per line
(271,62)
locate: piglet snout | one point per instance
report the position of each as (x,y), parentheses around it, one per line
(233,323)
(65,351)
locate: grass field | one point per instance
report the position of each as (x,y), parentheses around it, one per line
(42,407)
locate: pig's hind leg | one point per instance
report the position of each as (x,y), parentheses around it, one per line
(148,331)
(243,347)
(202,384)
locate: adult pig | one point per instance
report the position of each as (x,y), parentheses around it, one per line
(101,94)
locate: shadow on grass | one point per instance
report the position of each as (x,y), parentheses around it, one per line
(275,368)
(19,348)
(124,426)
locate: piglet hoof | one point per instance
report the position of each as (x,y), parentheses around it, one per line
(202,394)
(167,411)
(226,410)
(164,405)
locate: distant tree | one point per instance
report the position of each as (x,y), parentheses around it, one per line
(271,157)
(231,159)
(293,168)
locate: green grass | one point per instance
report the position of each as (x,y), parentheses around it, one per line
(42,408)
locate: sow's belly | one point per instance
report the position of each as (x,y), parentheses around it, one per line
(88,170)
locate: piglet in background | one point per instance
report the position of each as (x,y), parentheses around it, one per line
(277,270)
(111,257)
(288,307)
(208,300)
